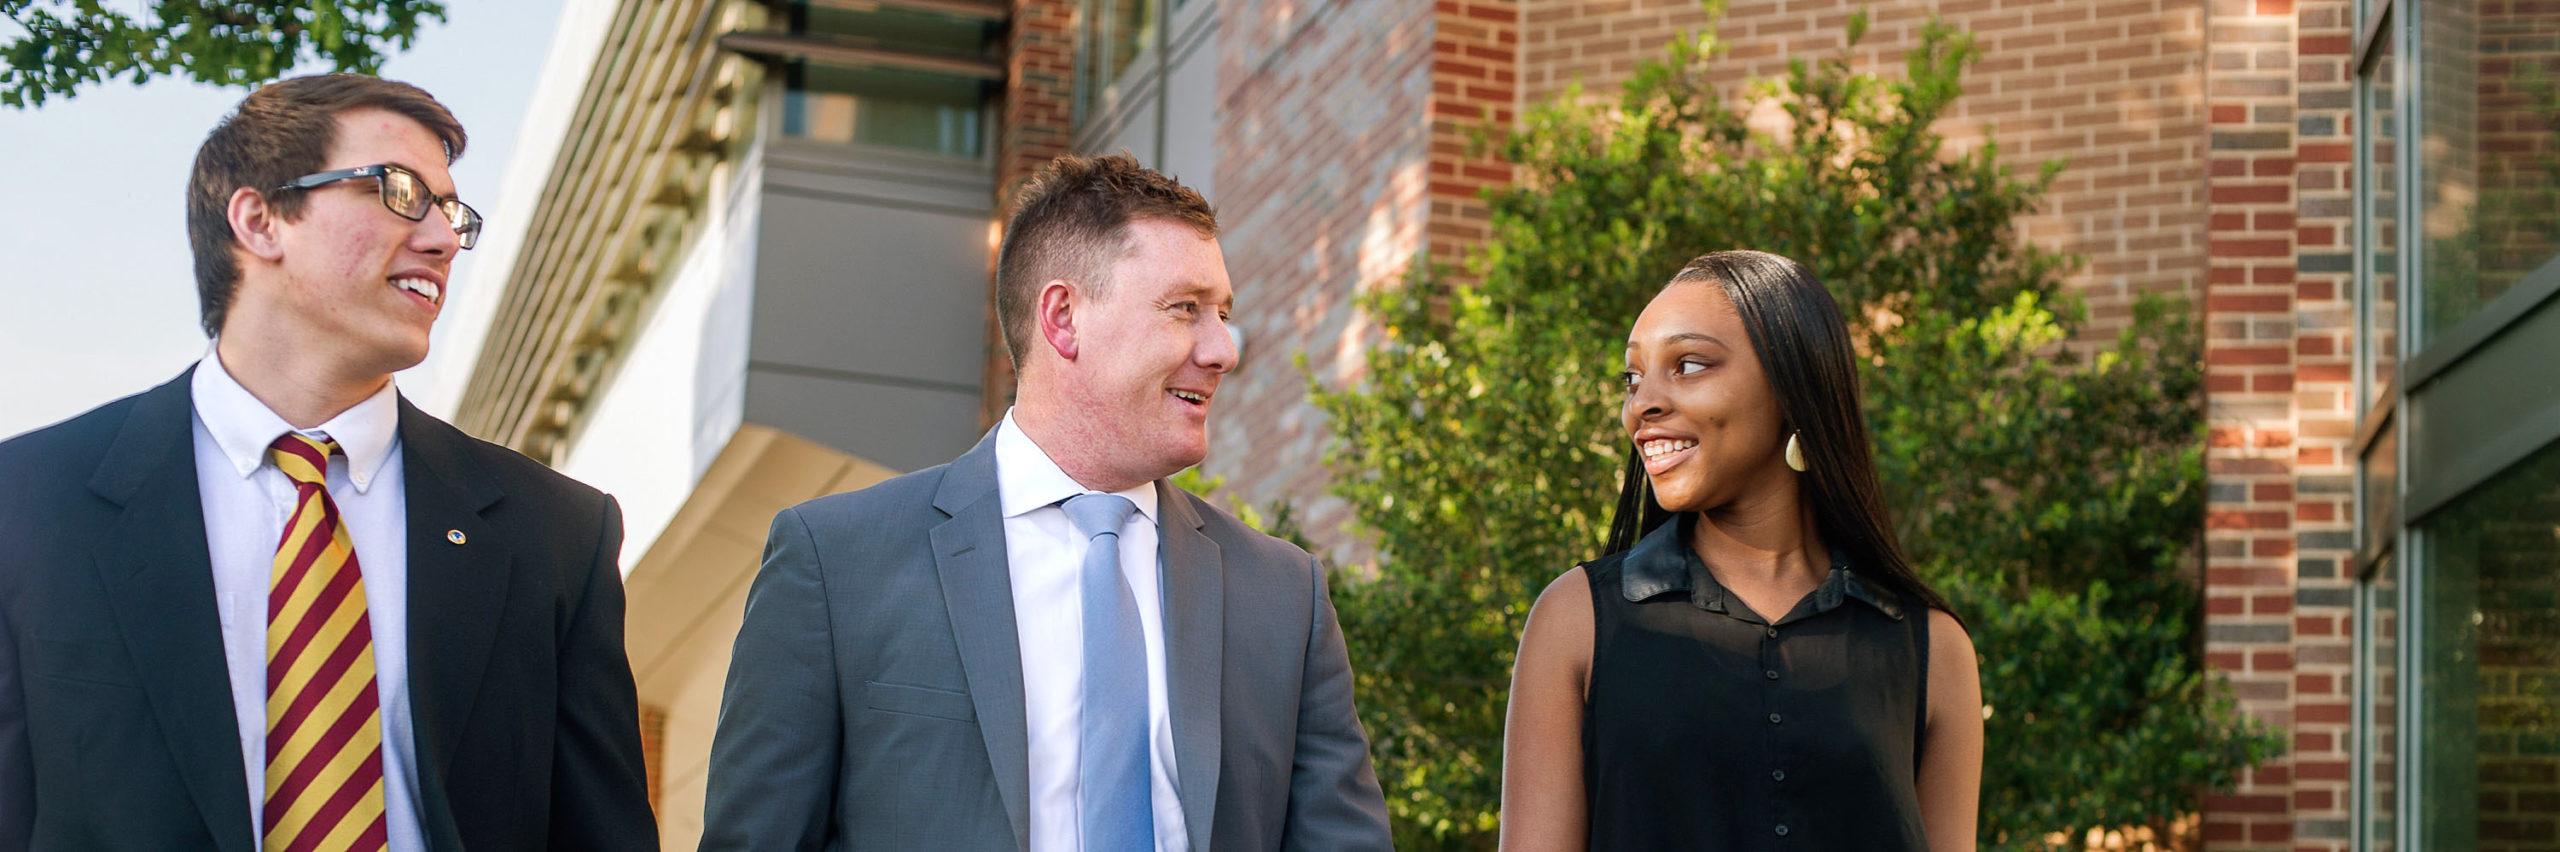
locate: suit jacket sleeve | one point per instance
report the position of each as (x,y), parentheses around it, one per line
(1334,800)
(775,757)
(599,784)
(17,762)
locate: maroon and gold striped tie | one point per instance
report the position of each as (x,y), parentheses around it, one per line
(324,720)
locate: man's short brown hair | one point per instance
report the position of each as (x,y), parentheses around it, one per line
(281,132)
(1072,222)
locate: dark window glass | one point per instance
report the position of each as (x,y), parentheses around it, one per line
(897,109)
(2490,664)
(2490,146)
(2382,226)
(889,107)
(2378,689)
(1113,33)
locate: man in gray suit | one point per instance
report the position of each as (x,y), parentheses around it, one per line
(1043,646)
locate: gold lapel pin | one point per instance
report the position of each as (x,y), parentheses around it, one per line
(455,536)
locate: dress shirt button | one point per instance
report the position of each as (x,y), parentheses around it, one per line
(1775,718)
(1773,633)
(1772,673)
(1782,830)
(1777,775)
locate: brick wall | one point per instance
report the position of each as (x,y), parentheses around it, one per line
(2250,313)
(2323,644)
(1475,83)
(1341,150)
(653,748)
(2113,89)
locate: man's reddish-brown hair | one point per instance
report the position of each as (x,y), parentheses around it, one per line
(1071,222)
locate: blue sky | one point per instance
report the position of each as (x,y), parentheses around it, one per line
(94,266)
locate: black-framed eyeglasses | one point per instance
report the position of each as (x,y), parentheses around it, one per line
(403,193)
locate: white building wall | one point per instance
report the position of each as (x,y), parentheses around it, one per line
(680,392)
(480,275)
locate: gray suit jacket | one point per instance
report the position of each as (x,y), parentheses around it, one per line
(875,697)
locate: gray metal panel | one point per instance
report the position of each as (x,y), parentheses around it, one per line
(2498,406)
(854,276)
(902,428)
(869,323)
(1191,112)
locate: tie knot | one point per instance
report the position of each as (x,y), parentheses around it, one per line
(1095,514)
(303,459)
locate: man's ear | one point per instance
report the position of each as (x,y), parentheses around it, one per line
(1055,312)
(254,225)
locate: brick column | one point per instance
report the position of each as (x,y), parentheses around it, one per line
(1475,82)
(1039,84)
(2251,337)
(2323,735)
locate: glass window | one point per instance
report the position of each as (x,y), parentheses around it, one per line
(2491,162)
(890,107)
(2490,664)
(2378,676)
(1113,33)
(897,109)
(2382,228)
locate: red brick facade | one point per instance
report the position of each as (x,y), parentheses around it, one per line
(1341,150)
(2112,89)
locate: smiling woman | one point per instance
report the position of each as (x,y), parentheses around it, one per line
(1686,690)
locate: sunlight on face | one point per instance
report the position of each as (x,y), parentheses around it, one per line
(1697,405)
(1153,349)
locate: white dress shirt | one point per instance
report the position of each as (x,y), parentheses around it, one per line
(246,504)
(1046,557)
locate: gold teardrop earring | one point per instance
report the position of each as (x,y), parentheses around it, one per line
(1795,451)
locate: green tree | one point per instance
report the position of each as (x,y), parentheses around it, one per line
(2052,490)
(63,45)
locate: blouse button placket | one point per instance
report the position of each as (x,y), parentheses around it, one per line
(1769,699)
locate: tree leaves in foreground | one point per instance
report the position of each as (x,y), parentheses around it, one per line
(2054,491)
(60,46)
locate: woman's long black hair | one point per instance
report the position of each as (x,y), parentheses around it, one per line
(1804,351)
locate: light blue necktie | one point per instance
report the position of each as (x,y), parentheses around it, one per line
(1113,794)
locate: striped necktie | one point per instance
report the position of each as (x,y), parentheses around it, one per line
(324,719)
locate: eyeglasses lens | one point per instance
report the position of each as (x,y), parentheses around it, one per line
(402,192)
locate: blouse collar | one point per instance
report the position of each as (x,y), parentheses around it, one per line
(1662,562)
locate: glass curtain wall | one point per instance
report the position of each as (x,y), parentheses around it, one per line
(2458,117)
(881,104)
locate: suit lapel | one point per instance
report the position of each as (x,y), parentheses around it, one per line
(977,590)
(158,574)
(457,596)
(1195,632)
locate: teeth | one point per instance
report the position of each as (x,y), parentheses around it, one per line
(1190,396)
(420,286)
(1660,447)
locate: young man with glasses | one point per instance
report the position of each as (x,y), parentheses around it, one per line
(269,604)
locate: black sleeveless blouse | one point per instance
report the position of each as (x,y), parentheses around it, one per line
(1709,729)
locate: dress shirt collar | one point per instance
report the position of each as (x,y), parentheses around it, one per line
(1663,562)
(1027,479)
(244,427)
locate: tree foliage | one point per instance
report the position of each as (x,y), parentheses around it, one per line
(64,45)
(2052,490)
